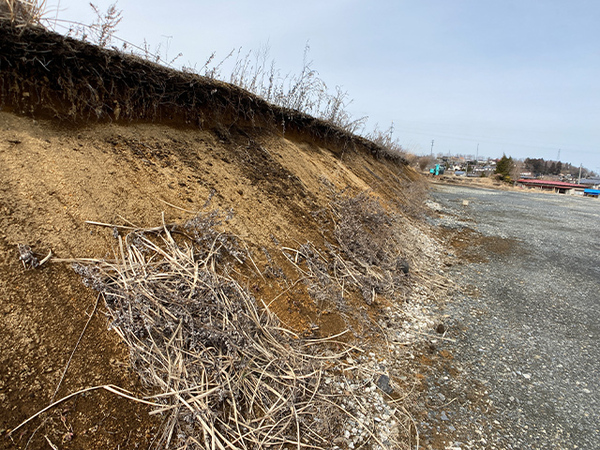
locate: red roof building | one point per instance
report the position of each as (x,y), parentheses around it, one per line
(559,187)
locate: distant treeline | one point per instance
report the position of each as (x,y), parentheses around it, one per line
(539,166)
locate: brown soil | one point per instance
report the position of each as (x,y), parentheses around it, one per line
(475,182)
(473,247)
(55,177)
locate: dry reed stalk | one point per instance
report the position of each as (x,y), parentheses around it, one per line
(108,387)
(74,349)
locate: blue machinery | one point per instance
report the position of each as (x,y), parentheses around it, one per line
(437,170)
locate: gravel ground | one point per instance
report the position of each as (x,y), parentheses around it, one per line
(524,369)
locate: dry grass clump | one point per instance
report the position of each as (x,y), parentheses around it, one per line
(22,12)
(366,254)
(390,147)
(305,92)
(225,372)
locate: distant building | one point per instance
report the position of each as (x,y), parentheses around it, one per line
(592,183)
(558,187)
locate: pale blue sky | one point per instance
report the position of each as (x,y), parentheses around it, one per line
(516,77)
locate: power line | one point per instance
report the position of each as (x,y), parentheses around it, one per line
(492,141)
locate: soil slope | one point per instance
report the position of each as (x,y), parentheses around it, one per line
(56,174)
(55,178)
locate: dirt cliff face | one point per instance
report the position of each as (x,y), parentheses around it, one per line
(94,144)
(56,177)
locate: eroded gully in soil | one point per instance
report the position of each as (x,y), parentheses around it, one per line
(521,345)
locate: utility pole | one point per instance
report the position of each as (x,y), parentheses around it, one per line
(558,158)
(579,180)
(432,148)
(477,154)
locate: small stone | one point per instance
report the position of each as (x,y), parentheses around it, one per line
(383,383)
(402,266)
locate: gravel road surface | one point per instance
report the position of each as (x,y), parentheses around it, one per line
(522,356)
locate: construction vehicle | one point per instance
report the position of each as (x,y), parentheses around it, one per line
(437,170)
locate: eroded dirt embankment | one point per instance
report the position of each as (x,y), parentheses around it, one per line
(54,178)
(329,227)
